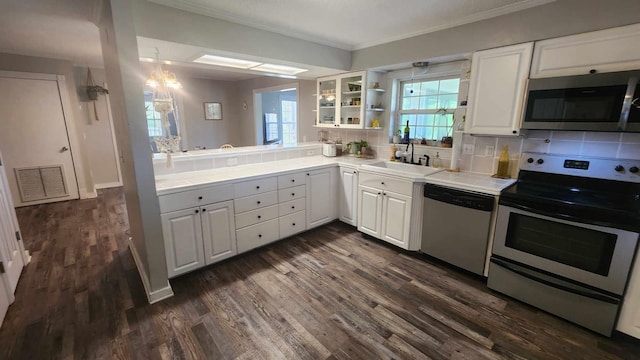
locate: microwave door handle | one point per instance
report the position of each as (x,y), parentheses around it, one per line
(626,104)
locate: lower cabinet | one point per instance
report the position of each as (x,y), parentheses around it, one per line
(385,215)
(254,236)
(348,196)
(198,236)
(386,210)
(321,196)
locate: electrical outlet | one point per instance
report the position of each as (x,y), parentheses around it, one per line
(489,150)
(232,161)
(468,149)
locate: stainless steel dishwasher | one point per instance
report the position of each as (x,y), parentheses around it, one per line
(456,226)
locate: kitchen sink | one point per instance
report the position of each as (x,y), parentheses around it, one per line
(402,169)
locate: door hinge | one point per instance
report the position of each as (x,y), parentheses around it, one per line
(18,235)
(2,268)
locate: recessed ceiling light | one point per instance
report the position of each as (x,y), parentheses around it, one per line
(224,61)
(279,69)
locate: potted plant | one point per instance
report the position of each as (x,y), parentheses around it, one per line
(396,138)
(94,90)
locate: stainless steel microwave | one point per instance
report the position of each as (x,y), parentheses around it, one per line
(592,102)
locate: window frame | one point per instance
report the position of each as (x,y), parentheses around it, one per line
(398,99)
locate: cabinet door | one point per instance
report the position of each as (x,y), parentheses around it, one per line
(327,102)
(496,90)
(218,231)
(601,51)
(396,219)
(348,195)
(183,246)
(370,211)
(321,196)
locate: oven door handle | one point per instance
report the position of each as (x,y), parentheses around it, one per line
(530,274)
(627,102)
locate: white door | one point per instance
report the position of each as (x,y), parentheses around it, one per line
(218,231)
(370,210)
(34,140)
(396,216)
(348,195)
(183,246)
(10,255)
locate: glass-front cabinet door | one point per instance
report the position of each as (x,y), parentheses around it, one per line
(351,100)
(327,100)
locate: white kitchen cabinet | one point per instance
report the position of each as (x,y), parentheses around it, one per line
(184,249)
(396,217)
(351,101)
(496,90)
(218,232)
(629,321)
(348,197)
(198,236)
(321,196)
(390,209)
(370,211)
(607,50)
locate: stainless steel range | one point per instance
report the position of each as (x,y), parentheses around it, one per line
(566,235)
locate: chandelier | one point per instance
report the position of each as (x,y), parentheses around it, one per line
(162,82)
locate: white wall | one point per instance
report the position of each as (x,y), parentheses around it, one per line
(101,151)
(208,133)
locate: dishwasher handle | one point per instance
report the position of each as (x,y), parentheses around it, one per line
(462,198)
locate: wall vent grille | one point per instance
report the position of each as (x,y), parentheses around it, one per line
(41,182)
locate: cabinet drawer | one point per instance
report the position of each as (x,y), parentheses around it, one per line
(285,181)
(257,235)
(385,183)
(191,198)
(293,223)
(292,193)
(253,187)
(256,216)
(292,206)
(253,202)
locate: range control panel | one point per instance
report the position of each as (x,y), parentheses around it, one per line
(593,167)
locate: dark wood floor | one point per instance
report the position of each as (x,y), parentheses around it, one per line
(329,293)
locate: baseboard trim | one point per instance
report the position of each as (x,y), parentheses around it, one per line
(152,296)
(108,185)
(88,195)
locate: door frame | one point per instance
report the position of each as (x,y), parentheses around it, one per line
(257,108)
(75,145)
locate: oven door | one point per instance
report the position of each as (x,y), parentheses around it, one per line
(593,255)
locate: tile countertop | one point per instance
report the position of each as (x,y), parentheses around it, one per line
(478,182)
(172,183)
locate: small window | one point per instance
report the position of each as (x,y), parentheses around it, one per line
(428,106)
(289,122)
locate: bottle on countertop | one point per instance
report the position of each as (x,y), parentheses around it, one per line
(503,163)
(405,139)
(436,162)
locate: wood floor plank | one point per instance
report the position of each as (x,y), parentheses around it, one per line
(328,293)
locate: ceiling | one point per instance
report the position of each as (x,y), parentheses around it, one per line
(64,29)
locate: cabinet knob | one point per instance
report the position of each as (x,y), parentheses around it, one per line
(355,172)
(515,131)
(379,193)
(307,174)
(197,211)
(259,235)
(382,183)
(293,180)
(259,217)
(384,193)
(293,207)
(293,194)
(203,210)
(294,224)
(258,202)
(258,187)
(199,197)
(593,71)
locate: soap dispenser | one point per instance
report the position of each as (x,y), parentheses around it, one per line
(437,162)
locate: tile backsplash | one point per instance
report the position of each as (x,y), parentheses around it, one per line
(602,144)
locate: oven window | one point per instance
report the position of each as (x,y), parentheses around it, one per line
(586,249)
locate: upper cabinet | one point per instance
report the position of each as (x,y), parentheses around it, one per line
(496,90)
(351,101)
(599,51)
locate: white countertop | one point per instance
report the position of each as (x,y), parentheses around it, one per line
(171,183)
(478,182)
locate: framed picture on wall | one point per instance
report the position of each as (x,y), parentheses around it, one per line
(212,111)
